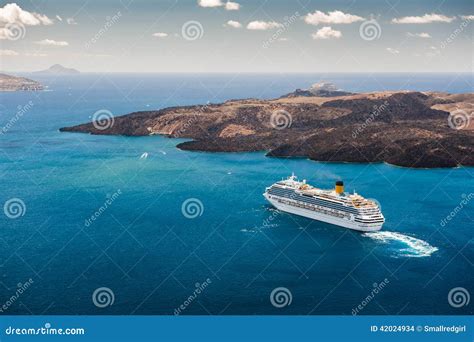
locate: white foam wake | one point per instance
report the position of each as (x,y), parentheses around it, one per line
(415,247)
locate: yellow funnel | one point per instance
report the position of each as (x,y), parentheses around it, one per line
(339,187)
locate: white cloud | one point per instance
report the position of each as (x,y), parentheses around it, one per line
(393,51)
(467,17)
(232,6)
(34,54)
(334,17)
(263,25)
(234,24)
(160,34)
(12,13)
(8,53)
(52,42)
(425,19)
(71,21)
(419,35)
(327,33)
(210,3)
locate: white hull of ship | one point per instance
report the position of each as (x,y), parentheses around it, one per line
(323,217)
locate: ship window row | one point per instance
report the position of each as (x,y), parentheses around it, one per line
(293,195)
(326,212)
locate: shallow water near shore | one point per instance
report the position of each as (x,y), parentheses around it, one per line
(153,257)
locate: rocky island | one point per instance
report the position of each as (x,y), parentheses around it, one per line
(14,83)
(58,69)
(410,129)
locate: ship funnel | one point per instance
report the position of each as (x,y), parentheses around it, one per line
(339,187)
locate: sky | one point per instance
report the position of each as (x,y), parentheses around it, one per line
(238,35)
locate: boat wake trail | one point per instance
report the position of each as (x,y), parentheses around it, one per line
(415,248)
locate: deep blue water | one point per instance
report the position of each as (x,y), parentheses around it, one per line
(151,256)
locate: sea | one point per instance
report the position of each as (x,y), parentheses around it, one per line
(120,225)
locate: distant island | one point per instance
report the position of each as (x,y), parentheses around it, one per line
(410,129)
(15,83)
(58,69)
(321,89)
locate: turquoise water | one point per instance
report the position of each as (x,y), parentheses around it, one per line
(152,257)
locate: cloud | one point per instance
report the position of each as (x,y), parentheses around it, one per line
(334,17)
(393,51)
(52,42)
(232,6)
(12,13)
(8,53)
(263,25)
(326,33)
(160,34)
(419,35)
(210,3)
(234,24)
(71,21)
(34,54)
(425,19)
(467,17)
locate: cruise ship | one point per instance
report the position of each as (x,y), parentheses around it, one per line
(331,206)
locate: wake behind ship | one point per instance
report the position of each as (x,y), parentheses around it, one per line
(331,206)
